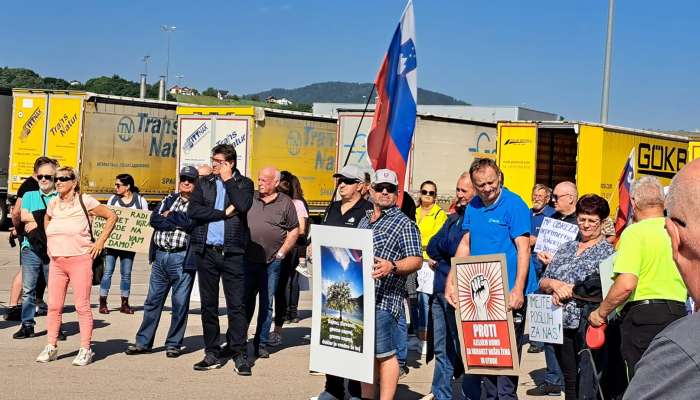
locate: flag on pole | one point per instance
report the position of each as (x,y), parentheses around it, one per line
(389,140)
(625,210)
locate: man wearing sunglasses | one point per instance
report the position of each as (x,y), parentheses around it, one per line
(669,367)
(168,269)
(397,253)
(34,256)
(219,208)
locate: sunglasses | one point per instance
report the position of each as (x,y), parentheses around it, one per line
(64,178)
(427,192)
(187,179)
(47,177)
(119,185)
(556,197)
(347,181)
(385,186)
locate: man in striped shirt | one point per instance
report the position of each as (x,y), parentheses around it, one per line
(167,255)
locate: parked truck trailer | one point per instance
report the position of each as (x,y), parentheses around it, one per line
(591,155)
(5,131)
(100,135)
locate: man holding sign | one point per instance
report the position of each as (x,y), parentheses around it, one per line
(498,221)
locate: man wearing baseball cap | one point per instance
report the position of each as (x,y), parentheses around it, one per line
(167,256)
(397,253)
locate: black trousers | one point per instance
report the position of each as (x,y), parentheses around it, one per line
(567,357)
(335,385)
(213,266)
(641,324)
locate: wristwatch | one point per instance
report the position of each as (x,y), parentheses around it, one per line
(394,267)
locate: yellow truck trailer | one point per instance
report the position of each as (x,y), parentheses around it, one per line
(303,143)
(101,135)
(591,155)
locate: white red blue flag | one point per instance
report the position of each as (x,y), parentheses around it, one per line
(389,140)
(625,209)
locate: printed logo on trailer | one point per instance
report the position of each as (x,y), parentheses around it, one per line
(195,137)
(659,160)
(125,128)
(518,142)
(27,127)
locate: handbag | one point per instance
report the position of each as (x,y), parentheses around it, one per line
(98,263)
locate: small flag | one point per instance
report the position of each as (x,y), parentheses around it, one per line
(625,209)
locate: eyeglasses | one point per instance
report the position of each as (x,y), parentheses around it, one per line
(584,221)
(427,192)
(379,188)
(187,179)
(47,177)
(216,161)
(556,197)
(64,178)
(347,181)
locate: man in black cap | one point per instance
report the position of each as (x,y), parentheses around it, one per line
(167,256)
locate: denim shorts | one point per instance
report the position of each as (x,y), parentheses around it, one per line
(385,327)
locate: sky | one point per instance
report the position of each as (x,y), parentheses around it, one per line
(544,54)
(337,267)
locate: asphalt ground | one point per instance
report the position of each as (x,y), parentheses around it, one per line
(114,375)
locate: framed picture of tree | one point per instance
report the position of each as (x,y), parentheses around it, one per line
(342,322)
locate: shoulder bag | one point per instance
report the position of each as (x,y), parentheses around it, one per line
(98,263)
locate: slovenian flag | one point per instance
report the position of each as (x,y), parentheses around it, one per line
(625,209)
(389,140)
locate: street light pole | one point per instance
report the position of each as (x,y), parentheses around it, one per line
(168,29)
(606,70)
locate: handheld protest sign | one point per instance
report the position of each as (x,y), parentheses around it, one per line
(132,232)
(544,319)
(484,323)
(342,319)
(553,233)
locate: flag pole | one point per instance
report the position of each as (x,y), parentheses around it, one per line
(357,131)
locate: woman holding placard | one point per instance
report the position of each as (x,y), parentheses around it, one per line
(126,195)
(429,218)
(573,263)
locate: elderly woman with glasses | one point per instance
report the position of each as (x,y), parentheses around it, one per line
(572,264)
(71,251)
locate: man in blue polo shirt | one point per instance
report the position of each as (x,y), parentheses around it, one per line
(498,221)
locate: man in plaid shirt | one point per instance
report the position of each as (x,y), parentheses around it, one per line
(167,255)
(397,253)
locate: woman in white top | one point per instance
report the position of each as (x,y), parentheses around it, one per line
(126,196)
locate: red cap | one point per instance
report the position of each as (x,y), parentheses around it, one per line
(595,337)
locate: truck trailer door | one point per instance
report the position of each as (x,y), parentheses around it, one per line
(516,156)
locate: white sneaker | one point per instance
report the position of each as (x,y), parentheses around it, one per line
(274,339)
(303,270)
(324,396)
(84,357)
(49,353)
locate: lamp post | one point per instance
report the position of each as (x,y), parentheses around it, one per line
(168,29)
(606,70)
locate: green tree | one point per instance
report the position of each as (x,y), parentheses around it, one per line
(339,298)
(210,92)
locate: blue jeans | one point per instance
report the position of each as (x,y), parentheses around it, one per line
(166,273)
(262,278)
(553,375)
(127,261)
(423,311)
(446,341)
(385,334)
(401,339)
(32,266)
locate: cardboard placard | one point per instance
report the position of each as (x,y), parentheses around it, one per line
(342,321)
(485,326)
(553,233)
(544,319)
(132,232)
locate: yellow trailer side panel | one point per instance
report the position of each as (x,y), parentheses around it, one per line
(215,110)
(137,140)
(304,147)
(27,143)
(693,150)
(589,166)
(516,155)
(64,128)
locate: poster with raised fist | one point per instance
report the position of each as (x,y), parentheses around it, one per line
(486,333)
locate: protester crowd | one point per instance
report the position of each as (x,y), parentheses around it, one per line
(219,230)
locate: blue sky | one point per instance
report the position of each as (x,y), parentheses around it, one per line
(333,271)
(542,54)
